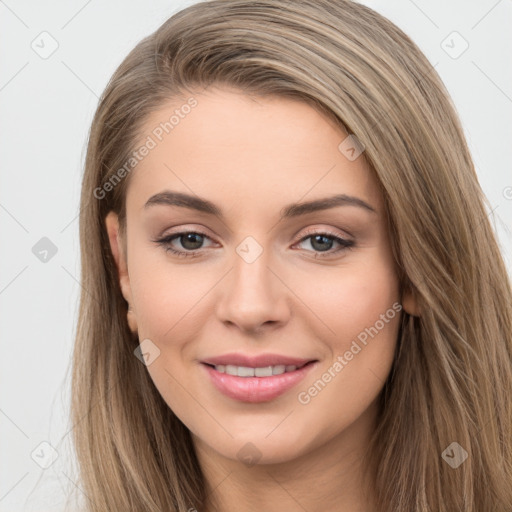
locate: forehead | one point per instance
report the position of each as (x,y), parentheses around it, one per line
(223,143)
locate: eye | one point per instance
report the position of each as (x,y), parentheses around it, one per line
(191,241)
(322,242)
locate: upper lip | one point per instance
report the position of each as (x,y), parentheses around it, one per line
(257,361)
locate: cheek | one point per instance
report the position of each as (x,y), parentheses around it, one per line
(362,308)
(349,300)
(167,296)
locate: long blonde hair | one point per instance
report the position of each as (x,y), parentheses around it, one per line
(451,380)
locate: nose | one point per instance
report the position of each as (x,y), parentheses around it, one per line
(253,297)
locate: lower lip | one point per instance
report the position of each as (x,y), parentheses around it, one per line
(256,389)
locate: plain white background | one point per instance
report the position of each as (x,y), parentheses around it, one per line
(47,105)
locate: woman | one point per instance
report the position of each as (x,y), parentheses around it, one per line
(292,295)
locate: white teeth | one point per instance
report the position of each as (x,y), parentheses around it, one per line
(263,372)
(278,369)
(231,369)
(244,371)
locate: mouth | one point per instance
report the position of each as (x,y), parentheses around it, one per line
(256,379)
(261,371)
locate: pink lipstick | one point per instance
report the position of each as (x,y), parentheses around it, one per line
(258,378)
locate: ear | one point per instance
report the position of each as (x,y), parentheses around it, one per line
(410,302)
(116,245)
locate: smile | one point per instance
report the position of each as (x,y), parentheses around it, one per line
(258,382)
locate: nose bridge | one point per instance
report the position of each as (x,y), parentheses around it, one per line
(251,268)
(252,295)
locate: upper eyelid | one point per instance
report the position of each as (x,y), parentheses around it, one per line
(177,234)
(201,230)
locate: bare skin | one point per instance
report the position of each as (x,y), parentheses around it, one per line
(304,296)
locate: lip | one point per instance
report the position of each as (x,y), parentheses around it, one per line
(256,389)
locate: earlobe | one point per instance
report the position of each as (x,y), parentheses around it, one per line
(410,303)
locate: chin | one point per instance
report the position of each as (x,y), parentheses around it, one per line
(251,446)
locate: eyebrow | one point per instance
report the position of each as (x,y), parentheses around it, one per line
(170,198)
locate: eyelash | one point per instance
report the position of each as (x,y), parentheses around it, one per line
(166,241)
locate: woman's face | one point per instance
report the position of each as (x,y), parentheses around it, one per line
(287,267)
